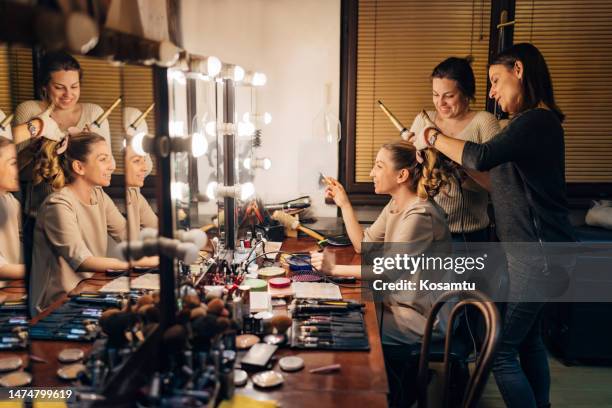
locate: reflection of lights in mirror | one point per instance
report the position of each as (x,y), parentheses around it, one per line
(233,72)
(246,129)
(255,118)
(243,191)
(255,79)
(199,144)
(257,163)
(211,128)
(176,128)
(177,76)
(179,191)
(139,144)
(213,65)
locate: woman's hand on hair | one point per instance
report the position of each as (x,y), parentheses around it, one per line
(336,192)
(324,262)
(49,127)
(420,139)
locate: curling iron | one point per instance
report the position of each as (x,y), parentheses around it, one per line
(398,125)
(105,114)
(6,121)
(143,115)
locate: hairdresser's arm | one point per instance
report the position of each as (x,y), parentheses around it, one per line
(353,228)
(12,271)
(21,132)
(481,177)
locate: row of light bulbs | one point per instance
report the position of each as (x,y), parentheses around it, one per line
(210,68)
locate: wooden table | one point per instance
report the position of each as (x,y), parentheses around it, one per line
(361,381)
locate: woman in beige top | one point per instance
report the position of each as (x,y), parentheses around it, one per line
(465,202)
(70,236)
(412,218)
(140,214)
(60,76)
(11,254)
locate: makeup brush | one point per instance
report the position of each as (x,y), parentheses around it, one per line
(291,222)
(398,125)
(282,323)
(105,114)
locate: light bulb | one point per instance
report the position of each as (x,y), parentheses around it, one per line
(213,66)
(178,190)
(247,163)
(124,143)
(267,164)
(259,79)
(211,190)
(245,129)
(137,143)
(176,128)
(199,144)
(211,128)
(177,76)
(238,73)
(246,191)
(267,118)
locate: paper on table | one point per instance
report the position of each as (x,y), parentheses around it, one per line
(149,281)
(272,246)
(316,290)
(260,302)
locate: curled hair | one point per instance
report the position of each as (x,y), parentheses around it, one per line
(56,170)
(427,178)
(459,70)
(536,81)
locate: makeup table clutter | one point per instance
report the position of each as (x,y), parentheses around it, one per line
(360,378)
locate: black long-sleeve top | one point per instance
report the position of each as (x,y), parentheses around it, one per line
(532,142)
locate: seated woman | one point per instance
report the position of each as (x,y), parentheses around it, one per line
(411,217)
(140,214)
(70,236)
(11,255)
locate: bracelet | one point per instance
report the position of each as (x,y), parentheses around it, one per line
(431,139)
(32,128)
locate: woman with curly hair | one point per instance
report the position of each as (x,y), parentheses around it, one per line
(413,219)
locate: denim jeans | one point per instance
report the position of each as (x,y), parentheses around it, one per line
(523,383)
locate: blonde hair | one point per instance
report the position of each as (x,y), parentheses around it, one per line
(54,169)
(426,178)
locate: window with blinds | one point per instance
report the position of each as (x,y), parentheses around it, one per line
(16,79)
(399,42)
(575,37)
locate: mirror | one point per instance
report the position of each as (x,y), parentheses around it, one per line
(14,342)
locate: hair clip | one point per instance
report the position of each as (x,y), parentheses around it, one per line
(63,146)
(419,156)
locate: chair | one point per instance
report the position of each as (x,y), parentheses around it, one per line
(477,380)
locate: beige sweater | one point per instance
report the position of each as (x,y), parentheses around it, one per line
(10,230)
(139,212)
(415,230)
(30,109)
(67,232)
(475,199)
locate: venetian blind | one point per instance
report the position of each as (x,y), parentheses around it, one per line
(16,80)
(575,37)
(101,85)
(399,43)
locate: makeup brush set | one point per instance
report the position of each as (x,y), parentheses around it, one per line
(328,325)
(13,327)
(77,319)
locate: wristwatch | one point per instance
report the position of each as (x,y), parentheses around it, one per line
(32,128)
(433,136)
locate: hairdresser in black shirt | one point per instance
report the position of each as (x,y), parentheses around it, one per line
(526,167)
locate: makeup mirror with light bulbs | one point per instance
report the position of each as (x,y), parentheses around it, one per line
(13,279)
